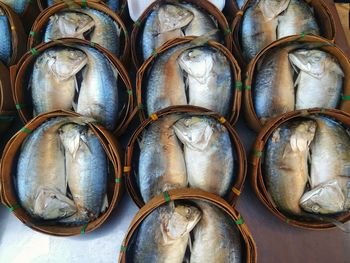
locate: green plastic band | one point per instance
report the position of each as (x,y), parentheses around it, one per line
(92,44)
(34,51)
(345,97)
(130,91)
(137,23)
(82,232)
(122,7)
(118,180)
(166,197)
(84,3)
(26,130)
(32,33)
(240,221)
(154,53)
(248,87)
(13,208)
(239,85)
(126,33)
(287,220)
(123,249)
(140,106)
(302,35)
(227,32)
(20,106)
(257,153)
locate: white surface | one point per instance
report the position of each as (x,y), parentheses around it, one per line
(136,7)
(20,244)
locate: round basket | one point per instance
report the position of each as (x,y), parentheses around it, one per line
(132,152)
(248,248)
(205,5)
(316,41)
(20,78)
(256,171)
(142,74)
(8,170)
(37,31)
(17,33)
(6,101)
(324,18)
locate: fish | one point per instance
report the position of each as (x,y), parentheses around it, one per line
(169,226)
(329,197)
(113,4)
(298,18)
(98,96)
(330,151)
(149,33)
(285,163)
(53,81)
(216,237)
(241,3)
(201,23)
(259,25)
(86,171)
(165,84)
(106,31)
(40,180)
(320,79)
(208,153)
(274,92)
(68,24)
(6,42)
(161,163)
(209,78)
(18,6)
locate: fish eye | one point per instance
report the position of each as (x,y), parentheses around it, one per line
(315,208)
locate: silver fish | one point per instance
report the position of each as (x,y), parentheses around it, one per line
(68,24)
(209,78)
(216,237)
(98,96)
(241,3)
(113,4)
(273,86)
(298,18)
(162,165)
(17,5)
(320,79)
(330,152)
(169,226)
(41,181)
(6,39)
(286,163)
(208,154)
(87,171)
(165,84)
(53,80)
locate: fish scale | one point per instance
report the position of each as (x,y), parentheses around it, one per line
(17,5)
(6,38)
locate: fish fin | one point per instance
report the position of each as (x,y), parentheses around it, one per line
(190,243)
(172,205)
(344,227)
(74,105)
(272,11)
(297,81)
(105,204)
(203,39)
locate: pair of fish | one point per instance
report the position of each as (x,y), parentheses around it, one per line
(268,20)
(318,84)
(112,4)
(18,6)
(85,23)
(215,236)
(325,144)
(6,41)
(168,21)
(54,83)
(62,153)
(205,160)
(194,75)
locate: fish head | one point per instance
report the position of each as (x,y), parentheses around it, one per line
(52,204)
(72,135)
(182,219)
(197,62)
(194,132)
(172,17)
(302,136)
(326,198)
(271,9)
(65,63)
(73,24)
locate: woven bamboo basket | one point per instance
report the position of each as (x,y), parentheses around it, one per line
(324,18)
(257,175)
(8,170)
(17,33)
(317,42)
(37,31)
(20,77)
(132,151)
(143,72)
(205,5)
(248,248)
